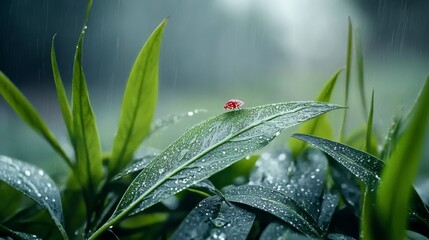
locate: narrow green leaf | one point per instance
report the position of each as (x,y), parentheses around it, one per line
(208,148)
(276,203)
(369,228)
(10,202)
(138,164)
(327,209)
(212,218)
(348,71)
(360,70)
(85,134)
(61,92)
(36,184)
(393,196)
(139,102)
(369,146)
(319,126)
(364,166)
(391,138)
(26,111)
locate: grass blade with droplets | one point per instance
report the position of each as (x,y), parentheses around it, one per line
(139,102)
(208,148)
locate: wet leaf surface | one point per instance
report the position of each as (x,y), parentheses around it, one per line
(279,231)
(210,147)
(34,183)
(215,219)
(138,164)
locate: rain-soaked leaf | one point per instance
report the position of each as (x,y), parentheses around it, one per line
(279,231)
(301,180)
(20,104)
(161,123)
(339,236)
(36,184)
(208,148)
(138,164)
(139,102)
(329,204)
(320,126)
(346,184)
(393,196)
(207,186)
(276,203)
(391,138)
(363,165)
(6,232)
(215,219)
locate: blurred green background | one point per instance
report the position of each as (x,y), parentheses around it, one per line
(257,51)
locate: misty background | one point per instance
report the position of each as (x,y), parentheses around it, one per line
(258,51)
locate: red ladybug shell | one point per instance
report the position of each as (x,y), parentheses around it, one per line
(233,104)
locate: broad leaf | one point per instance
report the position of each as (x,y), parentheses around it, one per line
(61,92)
(276,203)
(329,204)
(139,102)
(36,184)
(26,111)
(215,219)
(302,179)
(363,165)
(279,231)
(85,134)
(393,196)
(320,126)
(208,148)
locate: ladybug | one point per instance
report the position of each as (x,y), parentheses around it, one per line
(233,104)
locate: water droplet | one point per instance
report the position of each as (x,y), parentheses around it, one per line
(190,113)
(85,27)
(223,152)
(41,173)
(161,171)
(27,173)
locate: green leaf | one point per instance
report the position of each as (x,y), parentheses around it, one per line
(300,179)
(85,134)
(26,111)
(6,232)
(364,166)
(360,70)
(319,126)
(348,71)
(139,102)
(208,148)
(212,218)
(391,138)
(393,196)
(276,203)
(61,92)
(327,209)
(237,173)
(138,164)
(36,184)
(279,231)
(10,201)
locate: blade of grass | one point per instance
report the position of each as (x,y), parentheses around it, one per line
(319,126)
(393,195)
(139,102)
(360,70)
(369,147)
(348,70)
(61,92)
(20,104)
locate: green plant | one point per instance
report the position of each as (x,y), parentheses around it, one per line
(298,194)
